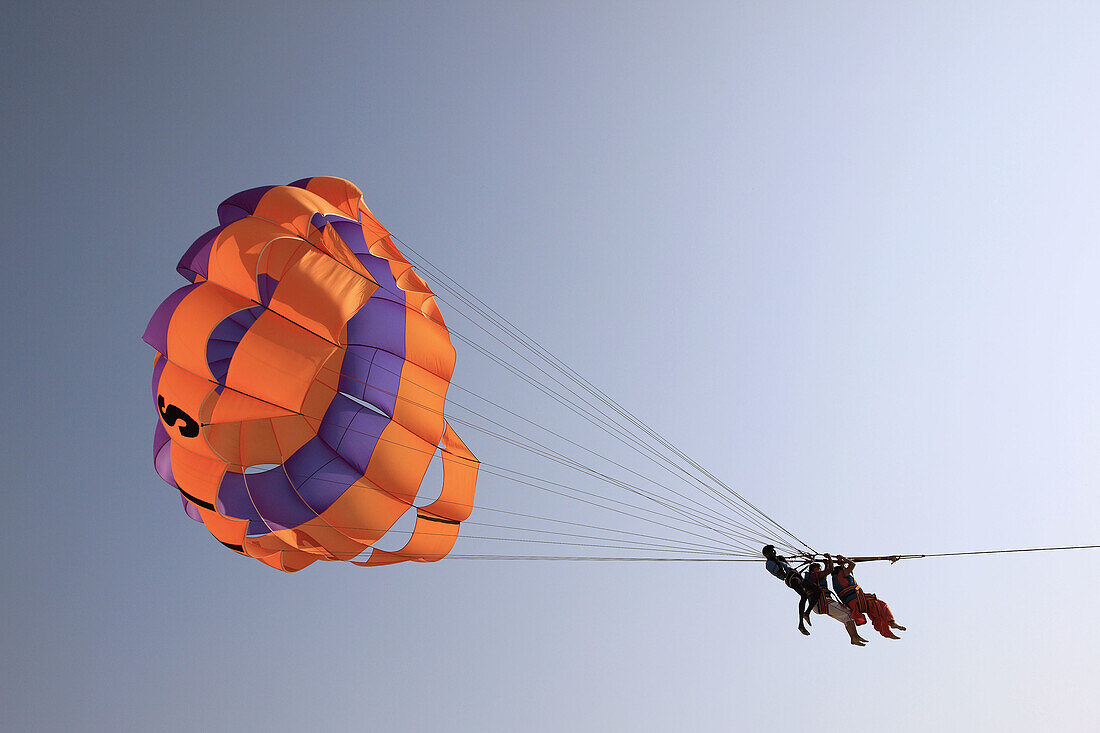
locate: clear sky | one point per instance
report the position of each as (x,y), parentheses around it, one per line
(843,254)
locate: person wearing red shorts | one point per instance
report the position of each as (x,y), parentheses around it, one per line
(862,605)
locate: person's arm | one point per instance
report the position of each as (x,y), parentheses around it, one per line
(828,564)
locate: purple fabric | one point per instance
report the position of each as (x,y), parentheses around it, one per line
(219,350)
(372,376)
(307,460)
(328,484)
(245,318)
(304,486)
(275,499)
(158,369)
(318,220)
(320,474)
(234,501)
(361,438)
(191,510)
(355,370)
(162,454)
(384,381)
(352,233)
(379,323)
(196,260)
(352,430)
(266,286)
(379,268)
(156,332)
(224,340)
(240,205)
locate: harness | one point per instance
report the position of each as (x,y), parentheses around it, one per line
(779,568)
(846,591)
(782,570)
(819,578)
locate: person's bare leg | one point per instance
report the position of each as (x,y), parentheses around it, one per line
(858,640)
(807,603)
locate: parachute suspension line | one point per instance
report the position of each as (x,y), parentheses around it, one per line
(760,532)
(706,513)
(673,544)
(617,433)
(662,544)
(587,526)
(892,558)
(516,334)
(598,418)
(590,558)
(626,414)
(543,487)
(690,515)
(657,543)
(704,518)
(533,346)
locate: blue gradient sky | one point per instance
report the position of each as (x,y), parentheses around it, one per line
(843,254)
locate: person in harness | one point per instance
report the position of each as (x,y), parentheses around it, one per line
(818,576)
(860,603)
(808,596)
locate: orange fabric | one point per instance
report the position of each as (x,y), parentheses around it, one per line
(273,551)
(317,537)
(236,252)
(364,512)
(419,405)
(437,524)
(428,345)
(326,383)
(276,362)
(399,462)
(197,475)
(258,445)
(321,294)
(194,318)
(225,529)
(344,195)
(292,432)
(289,561)
(293,207)
(880,614)
(456,500)
(190,394)
(431,540)
(383,247)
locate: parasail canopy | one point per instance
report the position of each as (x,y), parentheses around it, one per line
(300,382)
